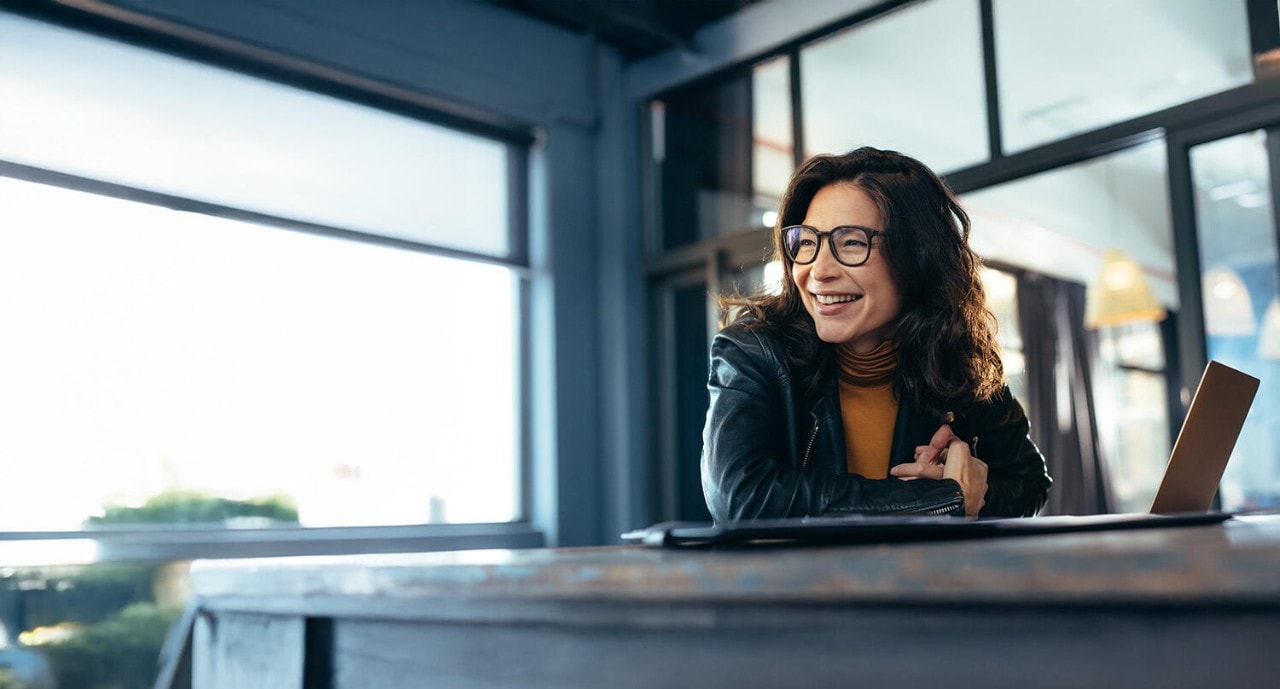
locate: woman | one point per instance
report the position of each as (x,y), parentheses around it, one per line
(872,383)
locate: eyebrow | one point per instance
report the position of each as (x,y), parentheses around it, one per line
(839,227)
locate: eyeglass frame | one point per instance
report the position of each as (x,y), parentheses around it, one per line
(831,242)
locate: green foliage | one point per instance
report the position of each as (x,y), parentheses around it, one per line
(181,507)
(80,593)
(119,652)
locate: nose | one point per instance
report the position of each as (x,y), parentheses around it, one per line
(825,266)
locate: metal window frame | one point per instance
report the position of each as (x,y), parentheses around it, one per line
(168,542)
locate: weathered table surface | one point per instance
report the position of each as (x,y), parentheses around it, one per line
(1189,606)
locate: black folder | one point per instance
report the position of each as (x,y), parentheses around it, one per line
(861,529)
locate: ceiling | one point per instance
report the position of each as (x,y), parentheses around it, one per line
(638,28)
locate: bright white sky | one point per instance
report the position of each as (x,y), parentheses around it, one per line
(147,349)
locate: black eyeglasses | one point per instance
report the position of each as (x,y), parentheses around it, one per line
(850,244)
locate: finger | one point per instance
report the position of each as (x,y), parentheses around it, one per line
(958,450)
(927,454)
(914,470)
(941,437)
(957,459)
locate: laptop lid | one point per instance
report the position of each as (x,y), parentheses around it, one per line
(1204,444)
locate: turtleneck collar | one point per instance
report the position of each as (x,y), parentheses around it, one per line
(873,368)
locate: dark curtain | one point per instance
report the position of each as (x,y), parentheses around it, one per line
(1059,357)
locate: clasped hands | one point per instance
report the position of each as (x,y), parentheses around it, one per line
(947,456)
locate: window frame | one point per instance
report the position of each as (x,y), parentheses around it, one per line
(171,542)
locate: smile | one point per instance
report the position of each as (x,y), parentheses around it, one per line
(835,298)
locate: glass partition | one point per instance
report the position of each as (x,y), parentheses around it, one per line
(92,107)
(724,152)
(911,81)
(1002,299)
(183,368)
(1060,224)
(1241,296)
(1068,66)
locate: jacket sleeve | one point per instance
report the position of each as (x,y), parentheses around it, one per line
(748,445)
(1017,479)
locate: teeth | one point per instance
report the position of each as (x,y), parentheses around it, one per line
(833,299)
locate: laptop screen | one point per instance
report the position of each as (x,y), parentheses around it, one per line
(1204,444)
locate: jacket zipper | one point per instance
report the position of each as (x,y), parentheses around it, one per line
(945,509)
(804,463)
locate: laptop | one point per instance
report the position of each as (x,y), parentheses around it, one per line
(1184,497)
(1204,444)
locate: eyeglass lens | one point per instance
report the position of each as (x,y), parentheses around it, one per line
(851,244)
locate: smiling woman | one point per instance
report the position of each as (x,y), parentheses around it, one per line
(866,384)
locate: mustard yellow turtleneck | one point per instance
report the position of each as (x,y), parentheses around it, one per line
(868,407)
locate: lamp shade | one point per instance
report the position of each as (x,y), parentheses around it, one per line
(1228,310)
(1121,294)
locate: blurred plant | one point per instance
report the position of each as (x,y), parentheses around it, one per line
(185,507)
(43,596)
(99,625)
(119,652)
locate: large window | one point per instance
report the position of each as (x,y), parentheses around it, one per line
(333,341)
(233,308)
(113,112)
(1002,299)
(723,154)
(911,81)
(152,351)
(1061,224)
(1240,277)
(1068,66)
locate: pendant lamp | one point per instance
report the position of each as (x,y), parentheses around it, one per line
(1121,294)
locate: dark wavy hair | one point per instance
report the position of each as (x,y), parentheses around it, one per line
(947,351)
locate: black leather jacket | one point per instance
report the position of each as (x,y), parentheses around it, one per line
(768,453)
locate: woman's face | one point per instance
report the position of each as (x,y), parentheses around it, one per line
(856,306)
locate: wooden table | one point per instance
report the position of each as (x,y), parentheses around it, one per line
(1178,607)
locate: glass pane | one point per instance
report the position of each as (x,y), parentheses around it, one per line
(1133,425)
(91,107)
(1067,66)
(691,342)
(1241,309)
(725,153)
(1060,223)
(1002,299)
(911,81)
(773,151)
(160,356)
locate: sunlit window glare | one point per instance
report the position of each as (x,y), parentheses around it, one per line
(85,105)
(149,350)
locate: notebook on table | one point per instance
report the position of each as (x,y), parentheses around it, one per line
(1184,497)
